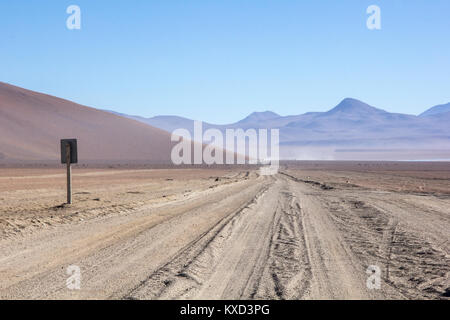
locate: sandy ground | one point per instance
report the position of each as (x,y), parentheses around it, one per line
(309,232)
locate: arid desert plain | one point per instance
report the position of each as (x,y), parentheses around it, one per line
(309,232)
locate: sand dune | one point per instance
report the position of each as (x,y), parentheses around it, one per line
(31,125)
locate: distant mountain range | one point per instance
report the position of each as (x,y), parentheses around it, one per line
(32,123)
(352,129)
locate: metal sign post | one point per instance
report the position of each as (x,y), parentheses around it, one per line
(69,175)
(69,155)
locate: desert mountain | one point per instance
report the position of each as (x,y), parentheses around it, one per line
(356,108)
(443,108)
(257,117)
(32,124)
(166,123)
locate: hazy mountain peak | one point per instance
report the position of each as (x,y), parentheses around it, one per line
(442,108)
(260,116)
(350,105)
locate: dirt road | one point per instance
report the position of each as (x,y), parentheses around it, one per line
(253,237)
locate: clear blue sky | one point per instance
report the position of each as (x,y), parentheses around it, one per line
(218,61)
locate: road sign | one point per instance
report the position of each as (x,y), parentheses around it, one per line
(69,155)
(73,150)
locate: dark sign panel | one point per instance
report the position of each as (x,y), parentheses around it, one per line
(73,150)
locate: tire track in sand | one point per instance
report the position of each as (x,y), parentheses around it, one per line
(205,269)
(335,272)
(261,252)
(130,248)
